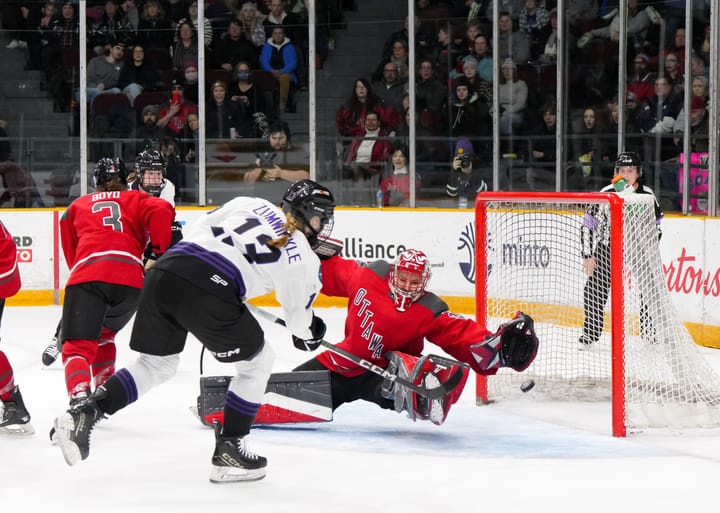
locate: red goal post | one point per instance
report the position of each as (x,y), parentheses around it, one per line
(529,258)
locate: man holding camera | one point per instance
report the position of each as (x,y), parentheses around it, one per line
(465,182)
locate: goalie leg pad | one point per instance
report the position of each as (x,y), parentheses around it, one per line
(408,367)
(300,396)
(422,370)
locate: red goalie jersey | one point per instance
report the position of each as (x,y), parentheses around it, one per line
(104,235)
(374,326)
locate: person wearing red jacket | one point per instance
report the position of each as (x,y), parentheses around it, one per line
(14,417)
(368,154)
(103,237)
(390,314)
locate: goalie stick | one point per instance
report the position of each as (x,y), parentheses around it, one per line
(431,393)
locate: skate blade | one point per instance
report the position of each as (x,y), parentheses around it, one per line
(222,475)
(63,427)
(18,429)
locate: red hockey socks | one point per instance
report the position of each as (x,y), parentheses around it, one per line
(76,357)
(104,364)
(7,380)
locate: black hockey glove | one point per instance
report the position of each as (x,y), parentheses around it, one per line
(176,235)
(318,329)
(519,342)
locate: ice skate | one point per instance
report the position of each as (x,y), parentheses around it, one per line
(50,353)
(14,417)
(73,429)
(232,461)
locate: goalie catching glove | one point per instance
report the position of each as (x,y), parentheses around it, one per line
(318,329)
(514,345)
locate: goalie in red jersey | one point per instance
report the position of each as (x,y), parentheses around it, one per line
(390,314)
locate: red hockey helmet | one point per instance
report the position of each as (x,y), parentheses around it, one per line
(409,274)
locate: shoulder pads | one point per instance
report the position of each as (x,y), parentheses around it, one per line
(380,267)
(432,302)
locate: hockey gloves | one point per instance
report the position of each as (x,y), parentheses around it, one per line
(514,345)
(318,329)
(519,342)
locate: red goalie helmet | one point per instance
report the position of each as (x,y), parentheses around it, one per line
(409,274)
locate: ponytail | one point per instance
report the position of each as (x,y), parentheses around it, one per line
(291,225)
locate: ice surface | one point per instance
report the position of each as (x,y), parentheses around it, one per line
(507,457)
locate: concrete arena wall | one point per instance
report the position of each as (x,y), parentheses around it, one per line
(690,250)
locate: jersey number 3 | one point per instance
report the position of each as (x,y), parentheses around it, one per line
(112,209)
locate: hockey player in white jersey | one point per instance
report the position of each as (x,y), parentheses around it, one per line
(151,176)
(246,248)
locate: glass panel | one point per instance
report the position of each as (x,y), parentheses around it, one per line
(359,46)
(256,101)
(37,161)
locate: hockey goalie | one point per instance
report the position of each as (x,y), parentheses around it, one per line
(390,314)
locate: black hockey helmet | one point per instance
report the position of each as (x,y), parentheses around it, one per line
(150,160)
(312,205)
(107,168)
(628,159)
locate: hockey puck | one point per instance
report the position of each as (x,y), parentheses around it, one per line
(527,385)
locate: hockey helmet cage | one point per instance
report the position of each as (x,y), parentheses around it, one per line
(150,160)
(409,275)
(628,159)
(313,206)
(106,169)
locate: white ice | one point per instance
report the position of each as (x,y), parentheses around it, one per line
(506,457)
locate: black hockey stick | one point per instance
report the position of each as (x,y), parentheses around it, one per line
(431,393)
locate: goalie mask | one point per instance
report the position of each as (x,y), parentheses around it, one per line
(150,169)
(107,169)
(409,274)
(313,206)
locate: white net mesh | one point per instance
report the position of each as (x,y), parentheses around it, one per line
(535,264)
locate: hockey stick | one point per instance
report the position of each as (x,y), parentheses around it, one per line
(431,393)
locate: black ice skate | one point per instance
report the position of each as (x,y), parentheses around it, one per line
(73,429)
(232,461)
(50,353)
(14,417)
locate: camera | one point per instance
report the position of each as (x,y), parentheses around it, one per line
(466,161)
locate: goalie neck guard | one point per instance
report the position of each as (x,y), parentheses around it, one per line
(313,206)
(409,275)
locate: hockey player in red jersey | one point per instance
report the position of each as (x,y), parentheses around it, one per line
(390,314)
(14,417)
(103,236)
(150,177)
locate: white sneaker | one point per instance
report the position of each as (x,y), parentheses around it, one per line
(610,15)
(21,44)
(584,40)
(12,44)
(584,345)
(653,15)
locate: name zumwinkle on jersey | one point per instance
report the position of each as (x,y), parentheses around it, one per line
(277,223)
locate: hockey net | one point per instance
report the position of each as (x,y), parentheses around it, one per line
(528,251)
